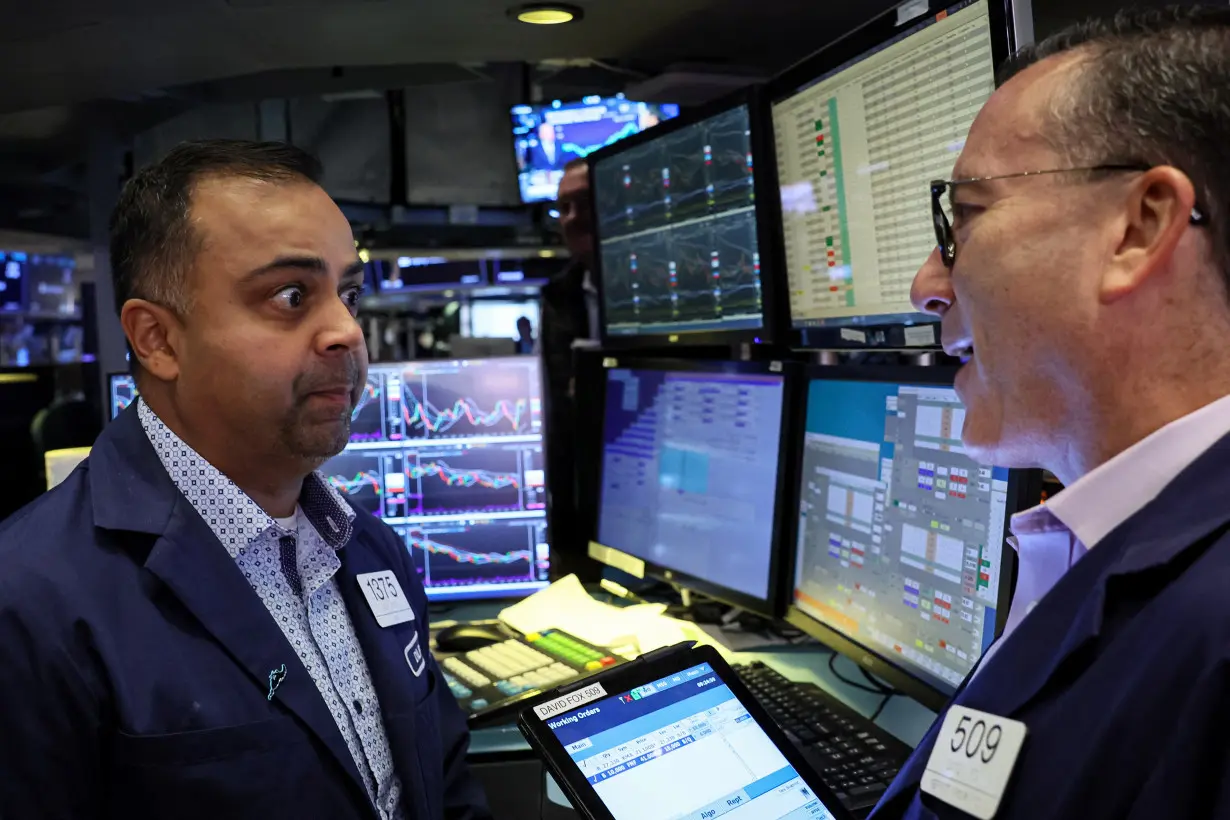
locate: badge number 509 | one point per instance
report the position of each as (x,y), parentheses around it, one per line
(973,759)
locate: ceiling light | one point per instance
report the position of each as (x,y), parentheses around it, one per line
(546,14)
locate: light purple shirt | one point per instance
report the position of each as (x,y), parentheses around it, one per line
(1051,537)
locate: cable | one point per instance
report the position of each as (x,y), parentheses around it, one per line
(880,708)
(888,690)
(879,690)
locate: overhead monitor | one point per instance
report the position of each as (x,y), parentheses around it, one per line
(901,561)
(53,290)
(407,274)
(449,453)
(692,467)
(860,131)
(680,255)
(548,137)
(121,390)
(12,282)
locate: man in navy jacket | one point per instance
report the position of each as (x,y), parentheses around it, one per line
(1084,272)
(195,624)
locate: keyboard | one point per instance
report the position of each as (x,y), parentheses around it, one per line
(853,756)
(490,683)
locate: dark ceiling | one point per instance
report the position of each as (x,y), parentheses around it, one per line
(72,66)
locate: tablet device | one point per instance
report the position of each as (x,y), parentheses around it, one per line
(673,735)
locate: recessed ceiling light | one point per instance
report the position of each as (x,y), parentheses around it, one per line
(546,14)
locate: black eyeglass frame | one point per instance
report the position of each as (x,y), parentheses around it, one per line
(943,228)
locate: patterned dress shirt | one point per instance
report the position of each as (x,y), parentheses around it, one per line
(294,574)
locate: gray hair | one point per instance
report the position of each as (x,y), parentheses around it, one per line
(1154,89)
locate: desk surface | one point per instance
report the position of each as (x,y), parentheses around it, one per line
(903,717)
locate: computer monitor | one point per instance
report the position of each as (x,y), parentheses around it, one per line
(548,137)
(407,274)
(860,130)
(121,390)
(680,252)
(53,290)
(693,464)
(900,562)
(450,454)
(12,282)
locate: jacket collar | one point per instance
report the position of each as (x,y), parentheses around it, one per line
(129,488)
(131,491)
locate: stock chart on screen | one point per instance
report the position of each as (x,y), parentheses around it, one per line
(450,454)
(676,222)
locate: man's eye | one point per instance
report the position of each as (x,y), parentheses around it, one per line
(963,212)
(351,296)
(291,296)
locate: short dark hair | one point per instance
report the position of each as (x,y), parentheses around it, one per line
(1154,89)
(576,162)
(152,241)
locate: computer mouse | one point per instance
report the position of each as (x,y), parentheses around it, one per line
(465,637)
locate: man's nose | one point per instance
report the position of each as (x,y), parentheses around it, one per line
(932,289)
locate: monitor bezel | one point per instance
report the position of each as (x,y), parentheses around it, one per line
(774,317)
(780,561)
(578,102)
(1011,26)
(1024,491)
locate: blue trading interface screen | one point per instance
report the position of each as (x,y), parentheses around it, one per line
(676,221)
(12,282)
(548,137)
(449,453)
(683,747)
(901,534)
(122,389)
(689,472)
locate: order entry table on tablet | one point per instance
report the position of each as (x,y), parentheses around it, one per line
(673,735)
(696,732)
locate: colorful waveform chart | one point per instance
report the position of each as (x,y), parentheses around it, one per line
(478,551)
(374,480)
(464,400)
(475,478)
(367,421)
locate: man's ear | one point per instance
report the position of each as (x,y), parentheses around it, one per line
(153,333)
(1157,214)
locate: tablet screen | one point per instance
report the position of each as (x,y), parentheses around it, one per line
(683,748)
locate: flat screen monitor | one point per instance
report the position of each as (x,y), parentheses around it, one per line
(860,130)
(450,454)
(12,282)
(901,561)
(408,274)
(52,288)
(121,390)
(548,137)
(692,464)
(680,255)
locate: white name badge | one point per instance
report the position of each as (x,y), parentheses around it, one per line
(384,595)
(972,760)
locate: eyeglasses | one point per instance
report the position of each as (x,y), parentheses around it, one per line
(939,187)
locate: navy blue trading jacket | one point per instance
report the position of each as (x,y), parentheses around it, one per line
(1121,674)
(135,663)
